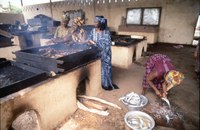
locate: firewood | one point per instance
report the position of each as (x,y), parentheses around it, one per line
(101,100)
(92,104)
(83,107)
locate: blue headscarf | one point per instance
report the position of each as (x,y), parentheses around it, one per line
(102,21)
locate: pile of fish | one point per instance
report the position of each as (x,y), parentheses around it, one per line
(4,81)
(159,111)
(120,40)
(11,74)
(53,53)
(133,99)
(138,122)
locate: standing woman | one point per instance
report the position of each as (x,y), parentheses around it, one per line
(100,37)
(63,32)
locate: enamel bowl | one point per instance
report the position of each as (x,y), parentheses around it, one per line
(133,107)
(138,120)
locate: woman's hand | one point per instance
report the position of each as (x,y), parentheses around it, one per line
(50,42)
(150,79)
(164,87)
(164,95)
(158,93)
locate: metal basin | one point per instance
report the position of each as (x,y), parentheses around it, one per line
(138,120)
(139,106)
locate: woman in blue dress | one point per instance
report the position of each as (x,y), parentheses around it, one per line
(100,37)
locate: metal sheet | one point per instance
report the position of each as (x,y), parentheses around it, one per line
(78,55)
(19,76)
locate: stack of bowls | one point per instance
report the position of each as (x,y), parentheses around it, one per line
(136,103)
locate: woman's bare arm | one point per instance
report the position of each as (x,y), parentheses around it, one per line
(164,87)
(150,79)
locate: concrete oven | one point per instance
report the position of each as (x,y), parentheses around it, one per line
(53,99)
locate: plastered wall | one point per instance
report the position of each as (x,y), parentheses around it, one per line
(7,18)
(178,17)
(57,10)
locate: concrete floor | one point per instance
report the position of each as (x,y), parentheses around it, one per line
(185,97)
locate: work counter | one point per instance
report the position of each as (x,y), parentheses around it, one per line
(124,54)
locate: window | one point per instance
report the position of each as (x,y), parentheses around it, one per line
(134,16)
(143,16)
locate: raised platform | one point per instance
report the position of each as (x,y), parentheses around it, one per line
(122,56)
(53,99)
(150,32)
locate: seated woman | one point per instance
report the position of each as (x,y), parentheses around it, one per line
(63,32)
(100,37)
(160,75)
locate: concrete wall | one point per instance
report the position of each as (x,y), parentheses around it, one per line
(178,21)
(57,10)
(128,54)
(178,17)
(7,18)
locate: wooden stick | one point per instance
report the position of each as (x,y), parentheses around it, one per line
(92,104)
(101,100)
(83,107)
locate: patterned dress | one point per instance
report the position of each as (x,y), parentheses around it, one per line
(160,63)
(103,41)
(79,35)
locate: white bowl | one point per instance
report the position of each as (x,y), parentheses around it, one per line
(141,114)
(132,107)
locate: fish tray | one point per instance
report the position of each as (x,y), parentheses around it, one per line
(125,41)
(15,76)
(61,57)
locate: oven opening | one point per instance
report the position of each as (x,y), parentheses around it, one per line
(133,56)
(81,89)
